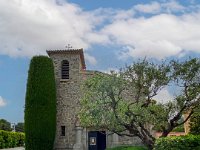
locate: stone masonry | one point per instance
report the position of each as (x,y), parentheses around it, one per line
(69,134)
(68,95)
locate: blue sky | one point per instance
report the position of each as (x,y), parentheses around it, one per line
(112,33)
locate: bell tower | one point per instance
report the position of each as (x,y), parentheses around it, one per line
(69,66)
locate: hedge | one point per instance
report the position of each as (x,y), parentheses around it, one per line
(188,142)
(40,105)
(11,139)
(195,123)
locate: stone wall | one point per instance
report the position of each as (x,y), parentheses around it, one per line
(68,96)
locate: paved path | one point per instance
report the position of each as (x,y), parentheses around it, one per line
(18,148)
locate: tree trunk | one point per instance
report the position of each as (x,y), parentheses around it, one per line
(148,141)
(149,144)
(167,131)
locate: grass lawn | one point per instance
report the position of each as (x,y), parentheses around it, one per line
(128,148)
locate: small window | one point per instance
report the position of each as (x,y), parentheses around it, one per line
(65,69)
(62,130)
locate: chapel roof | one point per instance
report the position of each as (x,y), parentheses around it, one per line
(70,51)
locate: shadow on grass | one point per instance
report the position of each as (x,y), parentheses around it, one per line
(128,148)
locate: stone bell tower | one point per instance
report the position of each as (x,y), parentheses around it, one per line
(69,66)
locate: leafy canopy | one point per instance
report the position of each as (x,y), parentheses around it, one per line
(123,102)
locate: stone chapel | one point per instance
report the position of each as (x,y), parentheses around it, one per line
(70,71)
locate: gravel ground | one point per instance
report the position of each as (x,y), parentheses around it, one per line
(18,148)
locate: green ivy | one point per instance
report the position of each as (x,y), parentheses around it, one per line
(40,105)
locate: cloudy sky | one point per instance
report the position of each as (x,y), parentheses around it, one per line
(112,34)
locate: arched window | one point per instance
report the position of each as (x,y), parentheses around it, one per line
(65,69)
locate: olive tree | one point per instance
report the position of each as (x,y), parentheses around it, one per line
(124,103)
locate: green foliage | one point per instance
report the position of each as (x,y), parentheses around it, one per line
(97,109)
(11,139)
(128,148)
(125,101)
(195,123)
(186,75)
(5,125)
(179,129)
(189,142)
(40,105)
(106,101)
(176,129)
(19,127)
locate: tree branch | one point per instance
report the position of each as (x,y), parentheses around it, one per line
(190,114)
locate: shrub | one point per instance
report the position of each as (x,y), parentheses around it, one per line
(189,142)
(195,123)
(11,139)
(40,105)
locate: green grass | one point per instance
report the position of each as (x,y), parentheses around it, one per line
(128,148)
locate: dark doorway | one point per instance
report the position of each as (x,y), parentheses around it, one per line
(96,140)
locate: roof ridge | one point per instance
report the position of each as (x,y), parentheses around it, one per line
(64,49)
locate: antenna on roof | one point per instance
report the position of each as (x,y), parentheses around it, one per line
(68,46)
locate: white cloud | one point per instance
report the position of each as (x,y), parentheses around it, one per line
(172,6)
(158,49)
(153,7)
(90,59)
(30,27)
(109,70)
(159,36)
(164,96)
(156,7)
(2,102)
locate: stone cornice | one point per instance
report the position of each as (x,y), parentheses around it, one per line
(70,51)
